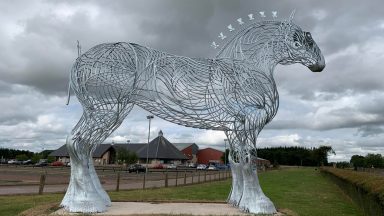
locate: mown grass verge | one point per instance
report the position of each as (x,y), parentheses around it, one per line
(301,191)
(366,189)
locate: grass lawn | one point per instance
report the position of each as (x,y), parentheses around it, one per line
(303,191)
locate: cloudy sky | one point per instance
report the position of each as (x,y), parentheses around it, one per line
(341,107)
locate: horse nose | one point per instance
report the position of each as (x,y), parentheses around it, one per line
(319,66)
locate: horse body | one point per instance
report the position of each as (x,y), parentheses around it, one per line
(173,87)
(234,92)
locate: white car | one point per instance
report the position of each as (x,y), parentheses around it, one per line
(171,166)
(14,162)
(201,167)
(212,167)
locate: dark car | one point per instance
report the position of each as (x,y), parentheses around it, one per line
(136,168)
(41,163)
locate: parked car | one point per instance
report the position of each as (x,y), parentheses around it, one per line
(221,167)
(212,167)
(158,166)
(57,163)
(171,166)
(14,161)
(192,165)
(26,162)
(136,168)
(42,162)
(201,167)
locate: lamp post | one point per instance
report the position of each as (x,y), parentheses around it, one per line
(149,117)
(225,153)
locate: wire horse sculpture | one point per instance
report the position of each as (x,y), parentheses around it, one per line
(234,92)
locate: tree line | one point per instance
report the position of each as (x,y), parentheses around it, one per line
(368,161)
(295,156)
(22,155)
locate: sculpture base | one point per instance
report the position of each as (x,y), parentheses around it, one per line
(142,208)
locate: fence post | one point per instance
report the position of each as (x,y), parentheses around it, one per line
(185,177)
(198,180)
(192,176)
(42,183)
(205,176)
(177,176)
(144,182)
(166,179)
(118,181)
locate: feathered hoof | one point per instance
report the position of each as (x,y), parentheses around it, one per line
(85,207)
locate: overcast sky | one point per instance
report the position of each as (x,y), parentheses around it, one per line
(341,107)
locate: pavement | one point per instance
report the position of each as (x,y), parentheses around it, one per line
(145,208)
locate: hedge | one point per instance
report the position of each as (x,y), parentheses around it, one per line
(366,189)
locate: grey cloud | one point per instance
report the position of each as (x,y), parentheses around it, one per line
(39,59)
(369,130)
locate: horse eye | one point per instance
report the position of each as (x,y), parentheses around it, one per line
(297,44)
(309,35)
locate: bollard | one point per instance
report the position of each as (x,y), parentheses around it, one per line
(118,181)
(42,183)
(166,180)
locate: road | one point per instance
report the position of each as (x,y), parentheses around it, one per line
(25,180)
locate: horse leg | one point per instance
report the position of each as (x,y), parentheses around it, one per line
(253,199)
(236,170)
(85,193)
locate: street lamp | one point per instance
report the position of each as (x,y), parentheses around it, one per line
(149,117)
(225,153)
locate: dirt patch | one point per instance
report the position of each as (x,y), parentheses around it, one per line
(43,210)
(286,212)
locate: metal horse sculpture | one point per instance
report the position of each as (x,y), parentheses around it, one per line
(234,92)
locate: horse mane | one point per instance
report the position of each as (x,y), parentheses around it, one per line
(249,40)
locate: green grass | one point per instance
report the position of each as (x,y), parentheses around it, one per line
(303,191)
(306,192)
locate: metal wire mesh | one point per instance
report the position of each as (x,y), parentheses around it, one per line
(234,92)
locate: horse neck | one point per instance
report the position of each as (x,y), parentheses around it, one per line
(254,44)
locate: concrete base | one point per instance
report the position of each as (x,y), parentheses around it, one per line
(141,208)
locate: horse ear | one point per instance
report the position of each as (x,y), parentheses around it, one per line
(292,15)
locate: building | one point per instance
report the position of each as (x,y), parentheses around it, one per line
(190,150)
(160,151)
(209,155)
(103,154)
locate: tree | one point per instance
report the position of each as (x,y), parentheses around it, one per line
(224,157)
(21,157)
(126,157)
(321,154)
(36,158)
(374,160)
(357,161)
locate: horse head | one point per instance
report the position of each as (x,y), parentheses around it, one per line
(272,42)
(298,46)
